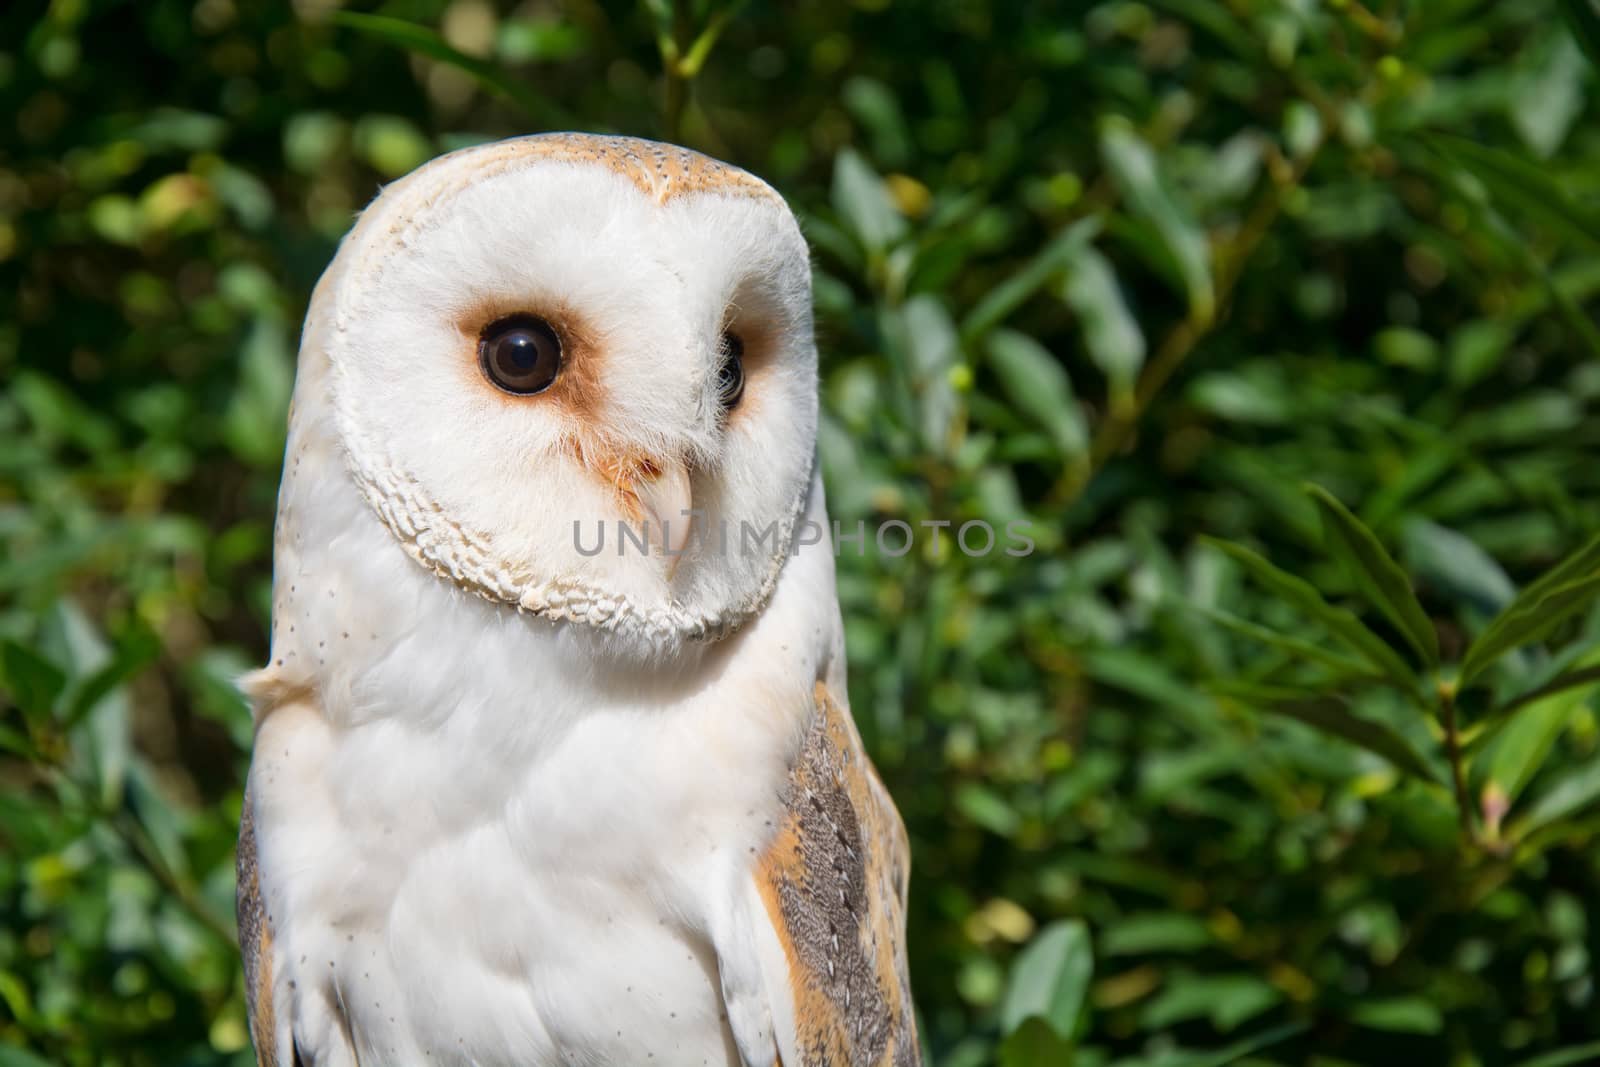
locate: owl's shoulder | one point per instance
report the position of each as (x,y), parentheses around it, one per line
(833,881)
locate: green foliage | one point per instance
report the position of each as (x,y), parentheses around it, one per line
(1223,771)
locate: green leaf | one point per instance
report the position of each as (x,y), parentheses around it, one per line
(1569,792)
(1401,346)
(1228,1000)
(1563,591)
(1580,564)
(1404,1015)
(1142,935)
(1132,164)
(425,42)
(1547,91)
(1052,260)
(17,743)
(1515,181)
(1476,349)
(104,739)
(33,682)
(257,416)
(1454,564)
(1283,642)
(932,351)
(132,657)
(986,808)
(1236,1053)
(1519,748)
(1339,622)
(1560,683)
(861,197)
(1111,334)
(11,1056)
(1376,574)
(1050,979)
(1332,717)
(1034,1044)
(1583,18)
(876,107)
(1038,387)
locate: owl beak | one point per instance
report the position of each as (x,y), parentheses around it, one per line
(666,497)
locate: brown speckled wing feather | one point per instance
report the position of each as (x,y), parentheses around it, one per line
(255,943)
(833,881)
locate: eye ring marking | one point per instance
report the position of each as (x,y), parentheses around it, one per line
(730,371)
(520,354)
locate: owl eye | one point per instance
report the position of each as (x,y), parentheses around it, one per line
(730,372)
(521,354)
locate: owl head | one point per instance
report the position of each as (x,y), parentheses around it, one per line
(575,375)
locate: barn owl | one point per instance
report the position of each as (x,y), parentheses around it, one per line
(515,801)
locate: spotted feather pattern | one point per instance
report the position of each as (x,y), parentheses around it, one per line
(834,884)
(255,942)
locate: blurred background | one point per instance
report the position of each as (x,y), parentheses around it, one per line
(1231,769)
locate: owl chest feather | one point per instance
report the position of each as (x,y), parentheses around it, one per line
(475,842)
(493,924)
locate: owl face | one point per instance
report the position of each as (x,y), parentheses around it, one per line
(545,352)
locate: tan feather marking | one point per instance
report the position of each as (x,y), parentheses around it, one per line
(578,393)
(579,389)
(255,943)
(662,172)
(621,469)
(833,884)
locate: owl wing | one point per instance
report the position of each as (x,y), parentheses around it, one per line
(255,945)
(828,907)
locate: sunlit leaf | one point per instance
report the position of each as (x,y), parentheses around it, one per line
(1110,332)
(1559,684)
(130,658)
(1547,95)
(1049,979)
(1583,18)
(257,415)
(106,729)
(1446,560)
(1520,746)
(1133,165)
(986,808)
(1037,386)
(933,351)
(1141,935)
(861,198)
(11,1056)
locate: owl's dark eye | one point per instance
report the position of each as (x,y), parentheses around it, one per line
(730,372)
(521,354)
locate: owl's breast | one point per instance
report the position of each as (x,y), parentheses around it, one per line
(485,924)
